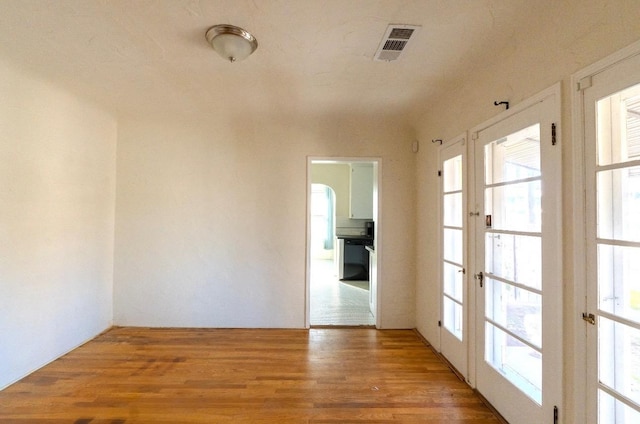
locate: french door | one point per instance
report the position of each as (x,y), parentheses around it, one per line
(454,332)
(612,177)
(517,266)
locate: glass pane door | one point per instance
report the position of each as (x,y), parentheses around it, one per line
(453,339)
(617,177)
(518,263)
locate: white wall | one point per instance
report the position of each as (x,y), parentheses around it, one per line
(211,218)
(57,192)
(566,39)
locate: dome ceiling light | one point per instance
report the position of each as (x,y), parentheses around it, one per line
(231,42)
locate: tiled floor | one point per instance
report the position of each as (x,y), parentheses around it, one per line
(334,302)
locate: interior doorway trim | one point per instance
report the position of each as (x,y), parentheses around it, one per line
(377,217)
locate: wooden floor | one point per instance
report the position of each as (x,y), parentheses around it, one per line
(133,375)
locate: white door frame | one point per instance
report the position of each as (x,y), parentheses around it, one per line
(377,215)
(581,80)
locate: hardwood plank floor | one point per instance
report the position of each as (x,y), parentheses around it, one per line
(141,375)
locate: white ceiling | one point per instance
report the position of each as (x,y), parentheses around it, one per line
(314,57)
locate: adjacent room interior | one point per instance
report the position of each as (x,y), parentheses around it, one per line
(178,165)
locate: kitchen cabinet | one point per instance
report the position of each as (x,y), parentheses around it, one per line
(361,191)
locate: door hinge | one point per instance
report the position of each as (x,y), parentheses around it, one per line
(555,415)
(480,277)
(553,134)
(590,318)
(439,173)
(439,323)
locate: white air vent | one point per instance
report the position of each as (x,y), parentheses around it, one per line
(395,41)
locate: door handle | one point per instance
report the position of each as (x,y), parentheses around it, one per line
(480,277)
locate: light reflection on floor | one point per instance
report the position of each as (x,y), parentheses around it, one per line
(334,302)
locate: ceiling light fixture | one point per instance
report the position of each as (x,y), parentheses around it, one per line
(231,42)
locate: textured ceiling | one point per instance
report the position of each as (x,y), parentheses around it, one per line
(314,57)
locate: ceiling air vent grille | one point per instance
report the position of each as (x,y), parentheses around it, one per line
(401,33)
(396,45)
(395,41)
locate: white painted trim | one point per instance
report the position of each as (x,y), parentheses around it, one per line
(378,237)
(461,137)
(579,228)
(605,63)
(307,255)
(554,90)
(377,163)
(471,254)
(579,382)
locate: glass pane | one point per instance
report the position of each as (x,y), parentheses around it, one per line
(618,282)
(452,317)
(631,141)
(515,361)
(453,210)
(453,174)
(453,281)
(515,258)
(514,157)
(611,410)
(619,358)
(619,204)
(514,207)
(618,127)
(516,309)
(453,245)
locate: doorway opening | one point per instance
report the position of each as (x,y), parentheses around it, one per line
(341,259)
